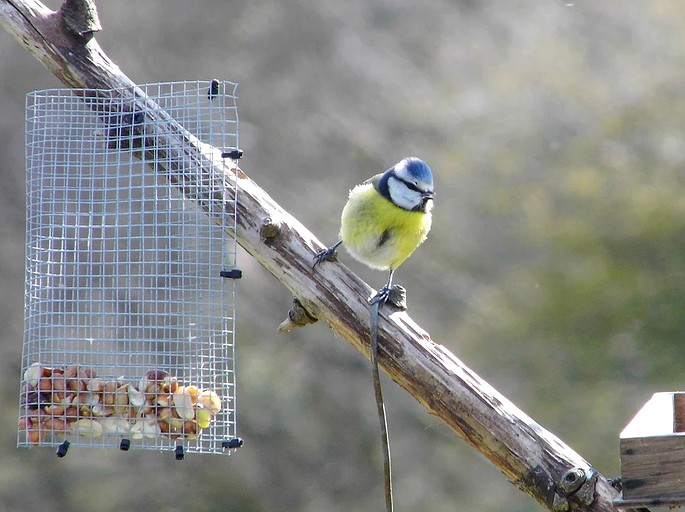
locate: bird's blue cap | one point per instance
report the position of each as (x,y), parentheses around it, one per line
(417,169)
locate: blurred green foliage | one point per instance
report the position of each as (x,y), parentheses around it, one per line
(555,267)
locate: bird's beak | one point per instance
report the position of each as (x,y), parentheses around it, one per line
(428,194)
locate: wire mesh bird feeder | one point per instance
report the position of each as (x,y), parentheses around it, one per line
(129,304)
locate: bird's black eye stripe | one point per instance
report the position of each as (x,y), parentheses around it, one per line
(410,185)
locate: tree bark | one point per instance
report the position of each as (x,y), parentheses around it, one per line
(532,458)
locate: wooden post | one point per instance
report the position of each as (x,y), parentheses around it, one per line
(653,453)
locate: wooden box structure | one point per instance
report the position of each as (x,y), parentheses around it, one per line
(653,453)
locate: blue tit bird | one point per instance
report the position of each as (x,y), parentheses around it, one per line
(386,218)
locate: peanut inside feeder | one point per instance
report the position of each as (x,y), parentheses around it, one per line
(74,400)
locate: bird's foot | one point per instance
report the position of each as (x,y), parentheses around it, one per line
(397,296)
(329,254)
(380,297)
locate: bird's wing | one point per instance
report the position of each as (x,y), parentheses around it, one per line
(374,180)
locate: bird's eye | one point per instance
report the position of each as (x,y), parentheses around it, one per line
(412,186)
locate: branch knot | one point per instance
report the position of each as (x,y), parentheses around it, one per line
(80,17)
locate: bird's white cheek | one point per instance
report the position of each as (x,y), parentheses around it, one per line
(429,206)
(402,196)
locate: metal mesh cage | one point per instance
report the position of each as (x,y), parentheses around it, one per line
(129,327)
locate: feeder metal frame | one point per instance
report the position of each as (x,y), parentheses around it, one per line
(123,272)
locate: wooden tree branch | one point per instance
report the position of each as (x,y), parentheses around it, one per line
(533,459)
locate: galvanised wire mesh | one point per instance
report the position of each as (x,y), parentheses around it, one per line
(129,327)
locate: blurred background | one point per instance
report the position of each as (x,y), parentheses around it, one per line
(555,268)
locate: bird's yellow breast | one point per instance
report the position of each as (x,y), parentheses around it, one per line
(378,233)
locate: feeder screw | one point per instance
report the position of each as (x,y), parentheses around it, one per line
(178,452)
(234,154)
(63,449)
(229,444)
(213,90)
(231,274)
